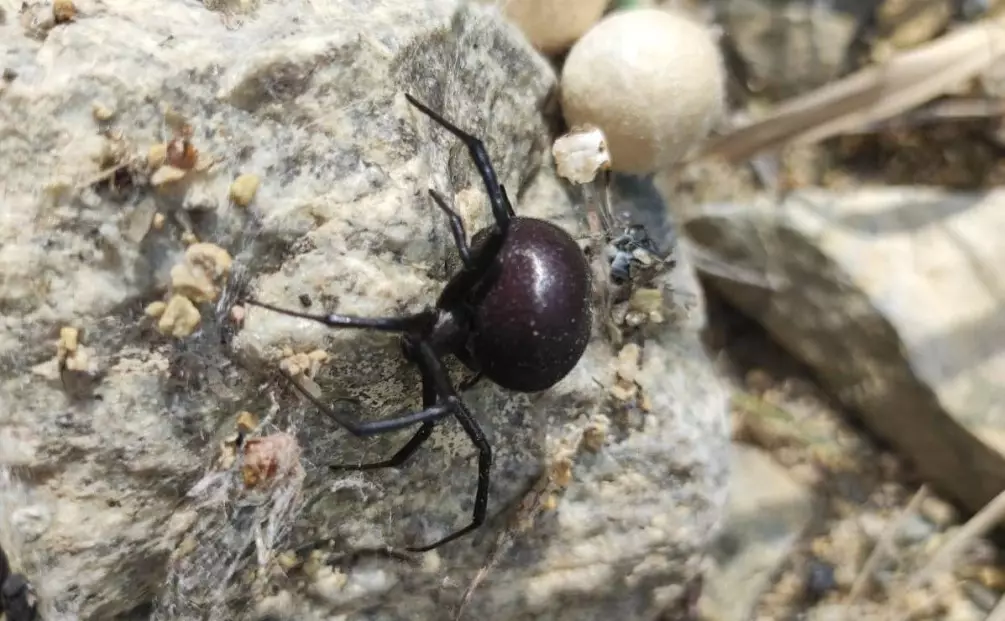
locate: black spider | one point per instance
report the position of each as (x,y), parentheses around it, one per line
(17,597)
(517,313)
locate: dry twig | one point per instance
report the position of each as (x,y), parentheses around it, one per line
(882,546)
(977,526)
(871,95)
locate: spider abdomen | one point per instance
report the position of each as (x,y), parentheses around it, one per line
(533,319)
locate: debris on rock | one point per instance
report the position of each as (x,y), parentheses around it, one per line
(301,365)
(243,189)
(180,152)
(179,318)
(581,154)
(101,112)
(157,155)
(165,175)
(200,275)
(269,458)
(63,11)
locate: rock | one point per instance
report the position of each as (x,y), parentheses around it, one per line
(765,517)
(310,97)
(790,49)
(651,80)
(552,26)
(894,300)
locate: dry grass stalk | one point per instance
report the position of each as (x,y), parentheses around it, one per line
(883,545)
(982,522)
(871,95)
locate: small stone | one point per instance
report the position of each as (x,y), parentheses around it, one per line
(594,436)
(629,359)
(69,338)
(276,606)
(914,529)
(212,258)
(939,512)
(819,580)
(581,154)
(63,11)
(158,221)
(246,421)
(101,112)
(243,189)
(653,81)
(623,391)
(165,175)
(180,317)
(192,283)
(155,309)
(646,300)
(196,277)
(157,155)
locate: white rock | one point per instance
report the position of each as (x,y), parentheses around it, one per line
(895,301)
(652,80)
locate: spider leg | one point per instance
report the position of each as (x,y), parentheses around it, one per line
(431,365)
(17,597)
(407,323)
(399,458)
(456,228)
(509,205)
(429,414)
(480,157)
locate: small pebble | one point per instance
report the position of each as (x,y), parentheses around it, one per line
(157,155)
(63,11)
(155,309)
(243,189)
(939,512)
(305,300)
(246,421)
(101,112)
(651,80)
(165,175)
(914,529)
(629,359)
(180,317)
(819,581)
(581,154)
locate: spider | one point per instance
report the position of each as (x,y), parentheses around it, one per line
(17,597)
(517,313)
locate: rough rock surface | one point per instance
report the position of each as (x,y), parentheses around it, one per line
(894,297)
(306,96)
(766,515)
